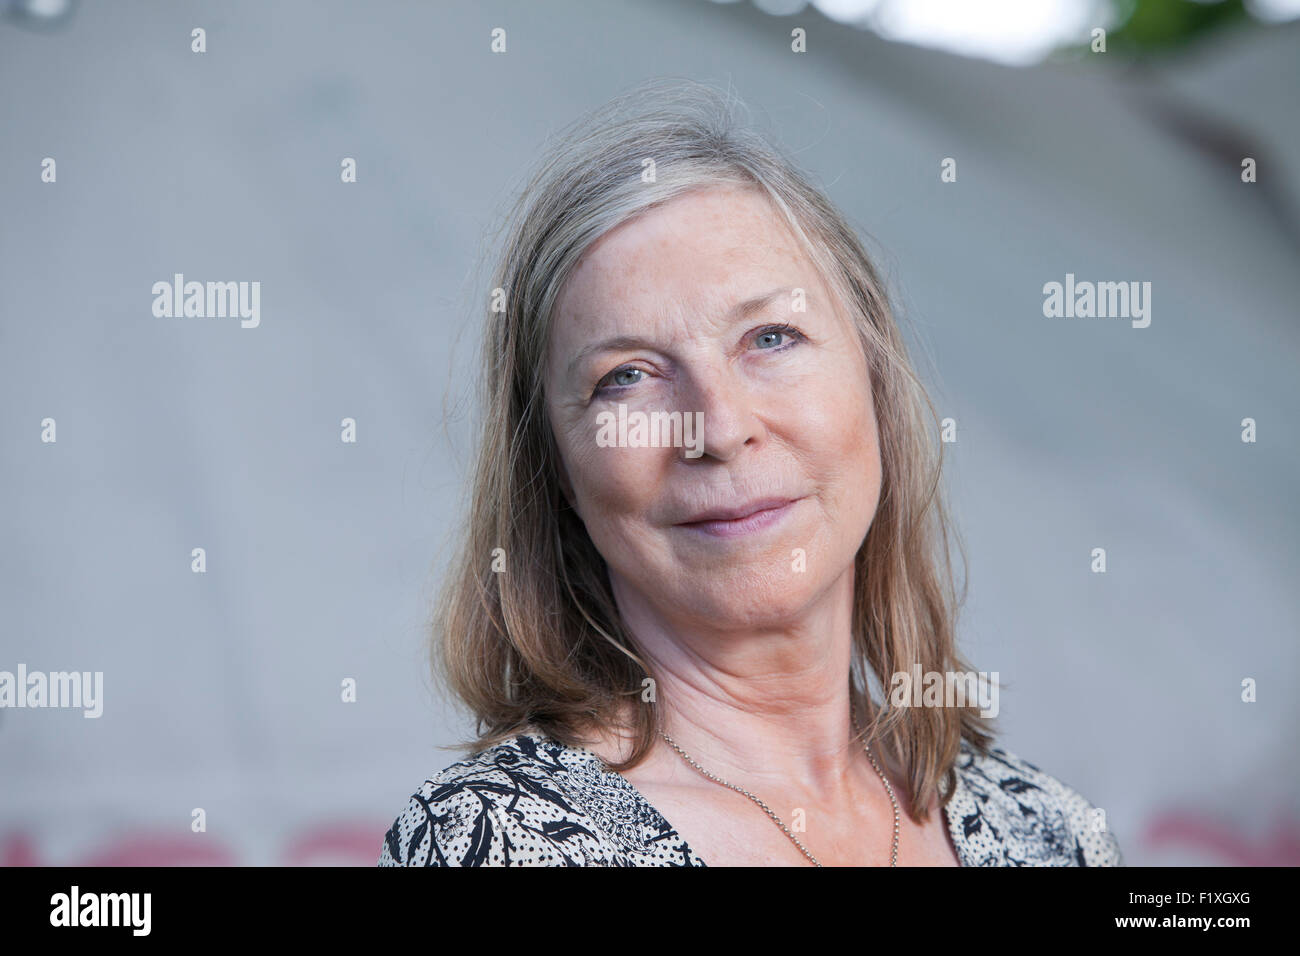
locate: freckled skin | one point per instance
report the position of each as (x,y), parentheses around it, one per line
(782,416)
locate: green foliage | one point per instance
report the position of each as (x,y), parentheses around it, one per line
(1154,27)
(1158,25)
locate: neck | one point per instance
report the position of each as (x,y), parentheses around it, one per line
(759,707)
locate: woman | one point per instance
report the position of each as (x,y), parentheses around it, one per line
(668,639)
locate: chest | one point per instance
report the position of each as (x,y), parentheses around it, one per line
(727,829)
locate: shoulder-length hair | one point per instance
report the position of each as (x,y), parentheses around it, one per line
(527,633)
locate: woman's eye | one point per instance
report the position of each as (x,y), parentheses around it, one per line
(775,338)
(620,378)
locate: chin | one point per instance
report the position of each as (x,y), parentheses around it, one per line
(743,602)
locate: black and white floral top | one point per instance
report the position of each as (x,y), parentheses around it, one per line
(532,801)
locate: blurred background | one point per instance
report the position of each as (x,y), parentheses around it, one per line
(226,690)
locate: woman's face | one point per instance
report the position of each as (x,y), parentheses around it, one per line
(691,308)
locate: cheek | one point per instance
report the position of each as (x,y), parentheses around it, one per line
(618,492)
(847,446)
(612,486)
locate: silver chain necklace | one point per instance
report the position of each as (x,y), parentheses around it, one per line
(893,859)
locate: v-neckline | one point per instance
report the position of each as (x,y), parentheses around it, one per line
(959,794)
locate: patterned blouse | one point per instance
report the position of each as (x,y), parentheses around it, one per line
(532,801)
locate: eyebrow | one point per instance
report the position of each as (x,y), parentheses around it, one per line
(741,310)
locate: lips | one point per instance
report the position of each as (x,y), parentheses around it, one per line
(738,513)
(740,523)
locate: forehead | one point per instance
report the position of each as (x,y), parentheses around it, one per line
(701,250)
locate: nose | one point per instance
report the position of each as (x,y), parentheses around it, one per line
(730,411)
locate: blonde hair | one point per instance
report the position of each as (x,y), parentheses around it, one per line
(543,646)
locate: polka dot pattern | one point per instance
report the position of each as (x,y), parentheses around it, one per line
(532,801)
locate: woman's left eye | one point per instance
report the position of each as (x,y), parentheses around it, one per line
(774,336)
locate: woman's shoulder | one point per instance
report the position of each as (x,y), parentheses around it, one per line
(530,801)
(489,809)
(1009,812)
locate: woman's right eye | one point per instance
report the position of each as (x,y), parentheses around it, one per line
(620,378)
